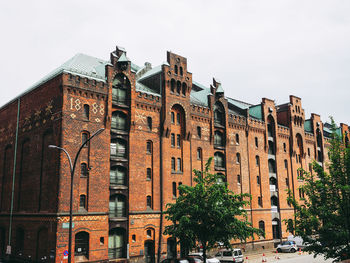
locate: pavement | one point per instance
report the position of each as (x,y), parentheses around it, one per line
(270,256)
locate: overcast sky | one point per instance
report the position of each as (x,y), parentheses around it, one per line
(257,48)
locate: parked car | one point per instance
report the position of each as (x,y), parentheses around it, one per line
(230,255)
(199,255)
(287,246)
(175,260)
(298,241)
(194,259)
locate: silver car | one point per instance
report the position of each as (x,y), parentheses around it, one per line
(230,256)
(287,246)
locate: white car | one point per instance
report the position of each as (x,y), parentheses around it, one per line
(287,246)
(230,255)
(200,256)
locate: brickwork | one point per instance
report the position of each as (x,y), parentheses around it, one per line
(159,126)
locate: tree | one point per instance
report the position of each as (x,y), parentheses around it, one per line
(207,213)
(322,218)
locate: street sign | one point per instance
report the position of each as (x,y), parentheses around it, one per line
(65,253)
(8,250)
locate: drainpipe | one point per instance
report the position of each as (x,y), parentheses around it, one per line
(14,174)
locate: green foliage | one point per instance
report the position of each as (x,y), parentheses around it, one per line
(207,213)
(323,220)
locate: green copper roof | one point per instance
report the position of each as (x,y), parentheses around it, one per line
(219,89)
(123,58)
(239,104)
(256,112)
(308,126)
(200,97)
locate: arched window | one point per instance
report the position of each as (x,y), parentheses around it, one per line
(82,244)
(82,202)
(179,166)
(199,154)
(272,166)
(238,179)
(219,160)
(270,126)
(286,164)
(219,114)
(257,160)
(178,87)
(176,70)
(184,88)
(172,85)
(172,139)
(86,111)
(120,88)
(118,121)
(218,139)
(260,202)
(274,201)
(273,181)
(276,229)
(149,202)
(262,225)
(149,174)
(178,140)
(284,147)
(149,147)
(172,117)
(181,71)
(149,123)
(117,243)
(238,158)
(84,138)
(256,142)
(118,148)
(221,178)
(83,170)
(118,175)
(174,190)
(237,138)
(117,206)
(173,165)
(199,131)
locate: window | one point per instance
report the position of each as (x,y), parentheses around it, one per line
(274,201)
(102,241)
(258,179)
(172,140)
(172,117)
(149,233)
(199,154)
(121,85)
(118,121)
(296,158)
(82,244)
(117,206)
(175,69)
(287,182)
(286,164)
(149,123)
(219,160)
(86,112)
(149,147)
(117,243)
(173,168)
(272,166)
(218,139)
(84,138)
(149,202)
(117,175)
(118,148)
(256,142)
(133,238)
(181,71)
(271,148)
(301,193)
(149,174)
(284,147)
(199,132)
(219,114)
(178,118)
(257,160)
(172,85)
(308,151)
(262,225)
(260,201)
(237,138)
(174,190)
(184,88)
(82,202)
(178,87)
(179,164)
(178,140)
(238,158)
(238,179)
(83,170)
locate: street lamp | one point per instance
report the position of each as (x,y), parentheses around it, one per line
(72,168)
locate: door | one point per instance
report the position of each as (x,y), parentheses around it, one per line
(82,244)
(149,251)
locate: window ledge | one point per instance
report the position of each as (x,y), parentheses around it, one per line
(176,172)
(219,147)
(117,219)
(220,168)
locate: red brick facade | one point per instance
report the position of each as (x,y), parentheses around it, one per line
(160,125)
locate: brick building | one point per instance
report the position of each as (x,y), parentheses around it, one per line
(160,125)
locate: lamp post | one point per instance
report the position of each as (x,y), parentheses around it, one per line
(72,168)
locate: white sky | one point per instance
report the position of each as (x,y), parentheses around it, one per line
(257,48)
